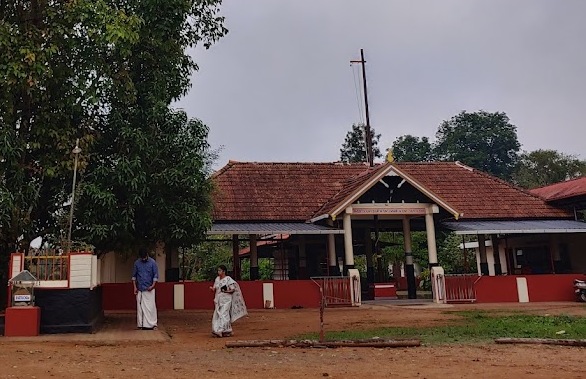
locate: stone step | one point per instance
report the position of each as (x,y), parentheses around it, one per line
(420,295)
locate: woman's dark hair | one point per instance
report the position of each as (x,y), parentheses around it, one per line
(223,268)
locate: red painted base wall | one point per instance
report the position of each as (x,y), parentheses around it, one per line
(286,293)
(120,296)
(541,288)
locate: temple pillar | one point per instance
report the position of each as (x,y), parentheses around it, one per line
(302,258)
(332,259)
(235,257)
(431,243)
(254,271)
(498,269)
(409,265)
(348,248)
(482,253)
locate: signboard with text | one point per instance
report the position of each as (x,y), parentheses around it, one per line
(389,211)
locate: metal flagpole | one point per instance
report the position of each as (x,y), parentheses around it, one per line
(76,152)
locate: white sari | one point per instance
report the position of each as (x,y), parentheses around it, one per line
(229,307)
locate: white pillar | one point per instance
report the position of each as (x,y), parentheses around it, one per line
(431,246)
(332,261)
(348,249)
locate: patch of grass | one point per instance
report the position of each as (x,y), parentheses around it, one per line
(476,326)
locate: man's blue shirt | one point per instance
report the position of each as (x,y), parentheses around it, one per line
(145,273)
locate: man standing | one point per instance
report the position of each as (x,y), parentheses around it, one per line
(144,278)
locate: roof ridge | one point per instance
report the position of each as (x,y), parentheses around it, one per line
(225,168)
(339,163)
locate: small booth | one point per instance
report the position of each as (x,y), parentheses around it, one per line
(61,290)
(23,318)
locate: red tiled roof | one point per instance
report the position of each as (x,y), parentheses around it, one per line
(300,191)
(562,190)
(478,195)
(277,191)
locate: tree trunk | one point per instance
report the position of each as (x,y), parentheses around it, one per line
(4,260)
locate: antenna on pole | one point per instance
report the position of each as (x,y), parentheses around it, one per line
(367,131)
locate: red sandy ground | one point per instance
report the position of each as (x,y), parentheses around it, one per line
(190,352)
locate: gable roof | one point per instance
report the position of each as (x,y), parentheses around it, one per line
(302,191)
(563,190)
(358,186)
(250,191)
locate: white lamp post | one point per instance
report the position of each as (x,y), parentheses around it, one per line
(76,152)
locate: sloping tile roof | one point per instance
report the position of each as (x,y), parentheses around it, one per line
(281,192)
(272,228)
(350,186)
(478,195)
(516,227)
(277,191)
(562,190)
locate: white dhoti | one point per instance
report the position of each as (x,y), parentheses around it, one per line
(146,309)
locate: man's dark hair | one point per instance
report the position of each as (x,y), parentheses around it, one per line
(143,253)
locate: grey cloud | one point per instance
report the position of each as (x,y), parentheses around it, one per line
(279,87)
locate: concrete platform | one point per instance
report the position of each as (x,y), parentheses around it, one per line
(117,328)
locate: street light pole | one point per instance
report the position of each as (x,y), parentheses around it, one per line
(76,152)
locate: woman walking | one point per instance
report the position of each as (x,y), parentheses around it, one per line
(229,304)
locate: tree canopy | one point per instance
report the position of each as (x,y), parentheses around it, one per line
(106,72)
(544,167)
(409,148)
(55,67)
(483,140)
(149,179)
(354,147)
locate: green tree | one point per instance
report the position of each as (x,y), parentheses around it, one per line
(201,261)
(409,148)
(148,180)
(453,259)
(104,71)
(483,140)
(354,147)
(543,167)
(265,269)
(55,69)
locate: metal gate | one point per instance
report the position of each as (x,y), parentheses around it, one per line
(337,290)
(460,288)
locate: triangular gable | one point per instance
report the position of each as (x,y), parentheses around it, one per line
(368,181)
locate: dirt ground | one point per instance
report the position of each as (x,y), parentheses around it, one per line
(187,350)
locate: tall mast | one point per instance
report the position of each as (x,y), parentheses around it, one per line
(367,131)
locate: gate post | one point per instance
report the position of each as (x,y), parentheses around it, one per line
(355,290)
(438,285)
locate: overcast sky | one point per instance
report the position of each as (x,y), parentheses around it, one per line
(279,86)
